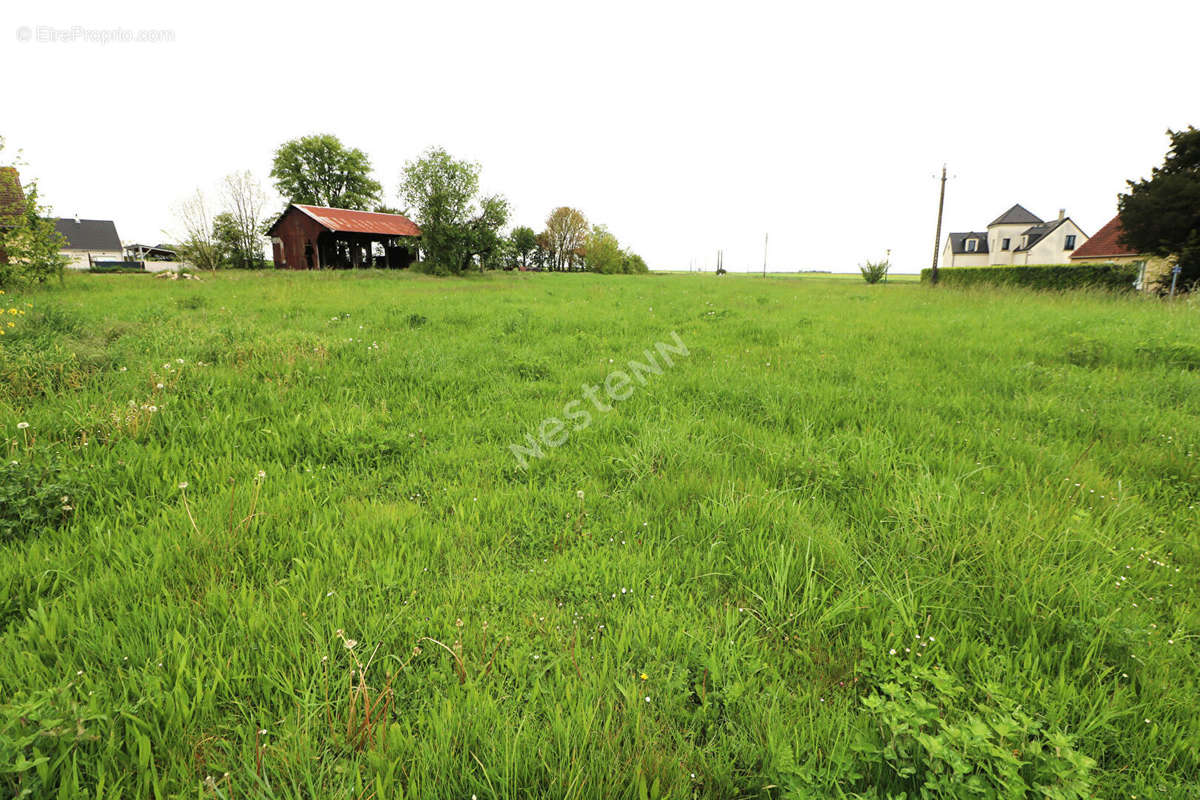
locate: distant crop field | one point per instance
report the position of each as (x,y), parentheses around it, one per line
(364,535)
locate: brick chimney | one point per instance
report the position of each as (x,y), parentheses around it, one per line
(1062,213)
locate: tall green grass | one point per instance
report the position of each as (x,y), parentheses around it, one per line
(862,540)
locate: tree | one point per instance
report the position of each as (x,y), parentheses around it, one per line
(566,235)
(603,252)
(456,228)
(634,264)
(30,246)
(318,170)
(199,244)
(1161,215)
(245,201)
(524,243)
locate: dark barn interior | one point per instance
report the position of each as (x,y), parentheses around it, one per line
(312,237)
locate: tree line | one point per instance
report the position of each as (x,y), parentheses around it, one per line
(462,229)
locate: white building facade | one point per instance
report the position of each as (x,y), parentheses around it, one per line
(1016,237)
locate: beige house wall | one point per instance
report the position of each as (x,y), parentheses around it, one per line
(996,236)
(79,258)
(1051,249)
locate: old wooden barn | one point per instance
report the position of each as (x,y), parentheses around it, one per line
(312,237)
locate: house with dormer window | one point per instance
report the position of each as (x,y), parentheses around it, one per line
(1018,236)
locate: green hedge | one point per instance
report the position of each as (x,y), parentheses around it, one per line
(1114,277)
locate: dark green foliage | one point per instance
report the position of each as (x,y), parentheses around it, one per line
(928,735)
(456,226)
(523,242)
(1114,277)
(33,498)
(1161,215)
(874,271)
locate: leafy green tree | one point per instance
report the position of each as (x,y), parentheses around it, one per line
(457,228)
(524,243)
(603,252)
(319,170)
(1161,215)
(227,238)
(30,247)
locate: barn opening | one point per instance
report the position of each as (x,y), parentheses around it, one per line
(315,237)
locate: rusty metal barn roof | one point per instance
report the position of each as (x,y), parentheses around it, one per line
(346,221)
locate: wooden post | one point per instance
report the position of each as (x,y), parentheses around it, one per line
(937,243)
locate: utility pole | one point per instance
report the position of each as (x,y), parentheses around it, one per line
(937,242)
(765,235)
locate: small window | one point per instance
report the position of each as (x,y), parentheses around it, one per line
(1005,244)
(1069,244)
(971,245)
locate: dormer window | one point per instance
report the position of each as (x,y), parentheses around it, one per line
(1069,243)
(972,245)
(1005,244)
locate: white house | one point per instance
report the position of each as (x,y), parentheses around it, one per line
(89,240)
(1015,237)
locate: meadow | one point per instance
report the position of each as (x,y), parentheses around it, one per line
(264,536)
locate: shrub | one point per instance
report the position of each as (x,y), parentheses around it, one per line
(33,498)
(874,271)
(1114,277)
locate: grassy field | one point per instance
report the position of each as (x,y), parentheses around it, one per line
(265,536)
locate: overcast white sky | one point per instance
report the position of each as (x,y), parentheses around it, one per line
(685,127)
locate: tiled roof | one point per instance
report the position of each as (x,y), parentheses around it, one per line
(347,221)
(89,234)
(1039,232)
(1106,243)
(1017,215)
(958,243)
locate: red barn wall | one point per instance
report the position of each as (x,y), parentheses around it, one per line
(294,231)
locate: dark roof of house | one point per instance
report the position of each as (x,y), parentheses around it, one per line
(1106,243)
(345,220)
(958,243)
(12,196)
(1017,215)
(89,234)
(1039,232)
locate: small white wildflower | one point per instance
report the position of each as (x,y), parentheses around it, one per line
(22,426)
(262,473)
(158,386)
(183,484)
